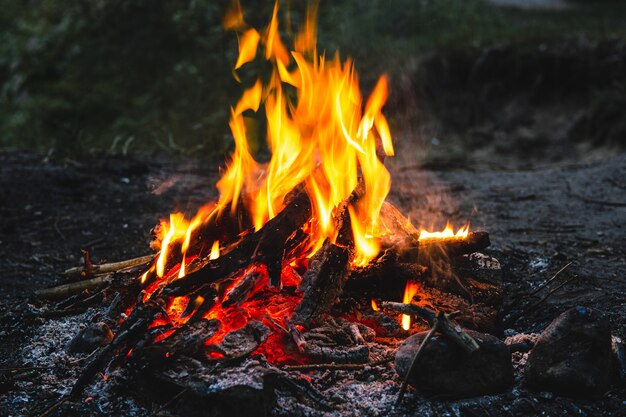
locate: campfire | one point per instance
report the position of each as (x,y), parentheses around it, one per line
(301,260)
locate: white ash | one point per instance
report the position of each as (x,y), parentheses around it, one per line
(47,348)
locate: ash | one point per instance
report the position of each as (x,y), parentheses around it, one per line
(56,372)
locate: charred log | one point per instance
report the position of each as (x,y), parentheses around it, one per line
(322,283)
(244,287)
(186,340)
(130,332)
(258,247)
(239,343)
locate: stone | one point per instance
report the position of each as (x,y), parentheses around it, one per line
(572,356)
(90,338)
(445,370)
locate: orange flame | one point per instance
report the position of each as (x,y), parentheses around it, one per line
(324,137)
(409,291)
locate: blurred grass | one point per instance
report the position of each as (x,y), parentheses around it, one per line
(122,75)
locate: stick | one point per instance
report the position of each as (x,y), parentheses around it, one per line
(171,400)
(65,290)
(552,291)
(545,284)
(84,271)
(335,366)
(54,406)
(539,288)
(449,329)
(405,383)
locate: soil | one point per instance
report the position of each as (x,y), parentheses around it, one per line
(542,214)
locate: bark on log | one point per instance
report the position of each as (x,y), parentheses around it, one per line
(429,249)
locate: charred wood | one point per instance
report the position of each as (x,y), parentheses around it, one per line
(244,287)
(444,323)
(353,354)
(238,344)
(257,247)
(186,340)
(130,332)
(322,283)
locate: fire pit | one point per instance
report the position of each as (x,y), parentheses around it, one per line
(302,265)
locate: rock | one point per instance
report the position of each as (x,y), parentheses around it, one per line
(573,355)
(444,369)
(90,338)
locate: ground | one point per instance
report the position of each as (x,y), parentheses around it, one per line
(539,221)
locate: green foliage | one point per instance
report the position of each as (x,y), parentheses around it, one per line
(143,74)
(84,73)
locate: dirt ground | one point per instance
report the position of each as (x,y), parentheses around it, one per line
(538,220)
(545,199)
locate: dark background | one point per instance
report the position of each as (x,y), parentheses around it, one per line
(121,76)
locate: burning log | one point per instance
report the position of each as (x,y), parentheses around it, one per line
(425,251)
(259,247)
(385,274)
(323,282)
(242,290)
(131,331)
(328,268)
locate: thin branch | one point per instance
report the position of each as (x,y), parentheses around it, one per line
(335,366)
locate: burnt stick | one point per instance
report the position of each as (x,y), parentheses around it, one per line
(446,326)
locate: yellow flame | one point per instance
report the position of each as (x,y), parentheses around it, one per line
(366,246)
(447,233)
(374,305)
(174,230)
(215,250)
(325,136)
(248,43)
(409,291)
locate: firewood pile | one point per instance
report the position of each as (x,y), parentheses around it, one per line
(327,324)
